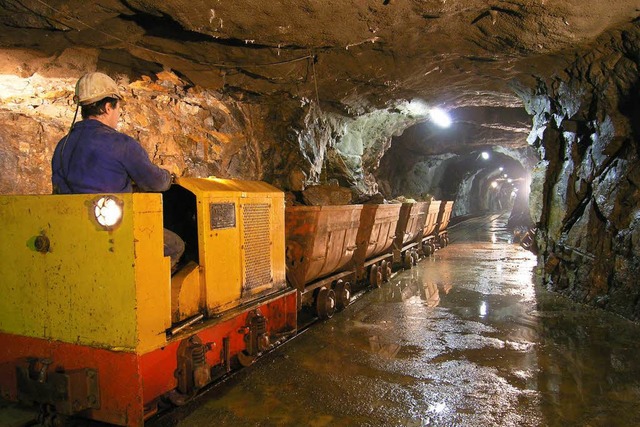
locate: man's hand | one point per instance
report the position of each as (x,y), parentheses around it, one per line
(173,169)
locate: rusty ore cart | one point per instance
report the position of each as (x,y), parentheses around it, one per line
(320,243)
(444,216)
(374,256)
(408,232)
(429,235)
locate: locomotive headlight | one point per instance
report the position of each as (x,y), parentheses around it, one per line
(108,211)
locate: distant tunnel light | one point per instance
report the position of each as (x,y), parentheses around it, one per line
(494,184)
(484,155)
(440,117)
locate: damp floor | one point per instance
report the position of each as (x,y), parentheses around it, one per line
(463,339)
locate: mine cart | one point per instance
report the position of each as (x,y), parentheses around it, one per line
(444,216)
(408,232)
(429,235)
(320,243)
(374,256)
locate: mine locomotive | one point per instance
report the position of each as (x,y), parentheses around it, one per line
(94,323)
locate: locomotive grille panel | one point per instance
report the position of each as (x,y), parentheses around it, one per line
(257,244)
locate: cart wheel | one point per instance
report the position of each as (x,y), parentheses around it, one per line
(389,271)
(325,303)
(408,262)
(47,416)
(373,276)
(414,257)
(385,271)
(426,248)
(342,291)
(433,247)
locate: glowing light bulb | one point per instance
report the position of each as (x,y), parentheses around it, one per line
(440,117)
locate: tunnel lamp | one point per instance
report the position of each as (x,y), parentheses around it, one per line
(108,211)
(440,117)
(494,184)
(484,155)
(500,168)
(505,175)
(509,180)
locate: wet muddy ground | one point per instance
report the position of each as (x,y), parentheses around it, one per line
(463,339)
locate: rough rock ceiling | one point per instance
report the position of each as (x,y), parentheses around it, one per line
(361,61)
(349,53)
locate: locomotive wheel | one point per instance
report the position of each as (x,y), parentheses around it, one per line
(385,271)
(374,276)
(343,294)
(178,399)
(246,359)
(325,303)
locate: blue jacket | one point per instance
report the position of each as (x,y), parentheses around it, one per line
(99,159)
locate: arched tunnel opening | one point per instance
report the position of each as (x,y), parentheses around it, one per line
(461,163)
(487,181)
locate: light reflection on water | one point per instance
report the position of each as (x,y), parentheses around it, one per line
(464,339)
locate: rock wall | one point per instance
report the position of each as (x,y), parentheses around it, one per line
(201,132)
(290,143)
(585,190)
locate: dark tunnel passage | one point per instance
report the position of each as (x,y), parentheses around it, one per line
(482,166)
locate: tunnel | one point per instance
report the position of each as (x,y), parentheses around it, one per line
(343,104)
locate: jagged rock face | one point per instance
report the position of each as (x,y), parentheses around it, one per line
(318,85)
(198,132)
(366,52)
(586,188)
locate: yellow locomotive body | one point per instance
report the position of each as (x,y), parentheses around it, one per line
(92,323)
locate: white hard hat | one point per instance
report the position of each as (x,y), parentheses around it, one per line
(93,87)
